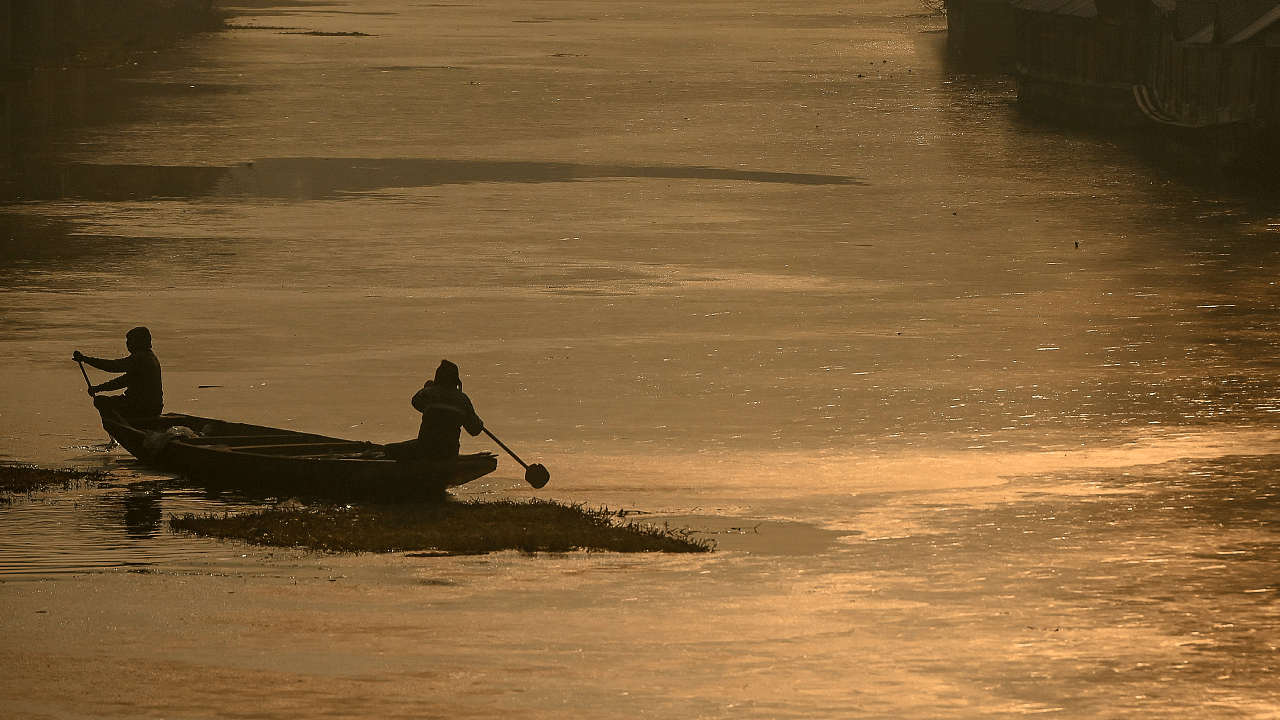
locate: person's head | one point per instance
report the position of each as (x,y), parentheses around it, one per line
(447,375)
(138,339)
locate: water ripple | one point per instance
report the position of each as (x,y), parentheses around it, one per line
(101,528)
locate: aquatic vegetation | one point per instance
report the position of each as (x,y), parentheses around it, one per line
(17,479)
(449,528)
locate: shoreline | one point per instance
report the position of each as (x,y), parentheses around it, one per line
(65,34)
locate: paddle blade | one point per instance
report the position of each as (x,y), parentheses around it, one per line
(537,476)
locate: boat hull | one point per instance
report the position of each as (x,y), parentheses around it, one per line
(262,461)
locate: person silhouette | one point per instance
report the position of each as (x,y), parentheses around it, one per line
(446,411)
(143,390)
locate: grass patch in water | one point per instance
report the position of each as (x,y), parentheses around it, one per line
(19,479)
(450,528)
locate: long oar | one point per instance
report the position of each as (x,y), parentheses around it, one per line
(536,475)
(115,414)
(86,376)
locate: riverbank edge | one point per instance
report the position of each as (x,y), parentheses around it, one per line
(72,33)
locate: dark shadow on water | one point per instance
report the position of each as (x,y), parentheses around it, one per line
(55,253)
(142,513)
(117,182)
(324,178)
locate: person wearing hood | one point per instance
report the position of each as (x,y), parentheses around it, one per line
(446,411)
(143,390)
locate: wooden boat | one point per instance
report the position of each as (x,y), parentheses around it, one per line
(265,461)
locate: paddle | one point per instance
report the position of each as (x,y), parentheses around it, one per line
(536,475)
(86,377)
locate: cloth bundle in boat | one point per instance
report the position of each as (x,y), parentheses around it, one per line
(155,441)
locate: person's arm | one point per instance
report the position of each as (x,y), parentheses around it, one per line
(113,384)
(472,422)
(123,365)
(420,401)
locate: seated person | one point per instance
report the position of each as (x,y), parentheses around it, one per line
(143,392)
(446,410)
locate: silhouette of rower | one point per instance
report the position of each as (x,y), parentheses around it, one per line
(446,410)
(143,394)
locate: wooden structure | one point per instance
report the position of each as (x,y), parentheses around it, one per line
(1080,59)
(1218,73)
(1207,74)
(980,34)
(264,461)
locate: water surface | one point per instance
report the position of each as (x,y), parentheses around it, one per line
(981,410)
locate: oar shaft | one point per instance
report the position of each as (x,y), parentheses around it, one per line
(86,377)
(504,447)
